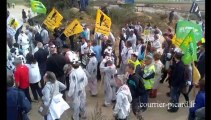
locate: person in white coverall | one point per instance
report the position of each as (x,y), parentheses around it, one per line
(158,73)
(108,69)
(126,55)
(132,38)
(23,42)
(92,71)
(77,93)
(123,99)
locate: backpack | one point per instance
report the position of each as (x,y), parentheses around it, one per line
(141,89)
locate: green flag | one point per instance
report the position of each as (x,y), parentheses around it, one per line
(184,27)
(189,47)
(38,7)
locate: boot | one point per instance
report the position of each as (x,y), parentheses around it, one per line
(153,93)
(173,108)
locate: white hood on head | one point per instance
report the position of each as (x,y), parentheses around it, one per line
(124,89)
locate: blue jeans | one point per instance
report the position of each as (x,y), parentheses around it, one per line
(174,94)
(82,5)
(144,100)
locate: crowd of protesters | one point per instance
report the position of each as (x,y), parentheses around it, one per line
(48,64)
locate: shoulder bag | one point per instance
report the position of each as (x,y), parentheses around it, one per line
(43,109)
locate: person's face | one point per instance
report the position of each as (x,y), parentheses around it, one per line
(52,50)
(118,83)
(129,70)
(133,58)
(65,49)
(148,62)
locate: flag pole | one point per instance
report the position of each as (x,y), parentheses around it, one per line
(188,16)
(146,47)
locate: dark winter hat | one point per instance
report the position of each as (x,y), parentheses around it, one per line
(65,46)
(178,55)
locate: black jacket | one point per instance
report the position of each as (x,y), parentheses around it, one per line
(178,74)
(41,57)
(55,64)
(201,65)
(37,37)
(136,85)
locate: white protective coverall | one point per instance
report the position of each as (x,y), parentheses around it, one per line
(126,55)
(23,41)
(158,73)
(132,39)
(92,71)
(14,53)
(77,93)
(109,82)
(123,100)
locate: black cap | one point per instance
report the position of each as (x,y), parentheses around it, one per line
(65,46)
(178,55)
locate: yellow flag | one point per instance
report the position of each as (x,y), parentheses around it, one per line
(53,19)
(196,75)
(203,40)
(176,41)
(14,23)
(103,23)
(74,27)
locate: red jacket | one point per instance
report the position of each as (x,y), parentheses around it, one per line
(22,76)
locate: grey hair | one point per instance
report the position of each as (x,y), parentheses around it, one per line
(148,57)
(51,77)
(122,78)
(17,61)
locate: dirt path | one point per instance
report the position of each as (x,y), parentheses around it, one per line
(17,11)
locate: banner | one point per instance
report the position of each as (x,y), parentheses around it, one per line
(14,23)
(38,7)
(184,27)
(103,23)
(189,47)
(53,20)
(147,32)
(74,27)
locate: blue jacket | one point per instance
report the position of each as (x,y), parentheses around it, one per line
(199,103)
(16,98)
(98,52)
